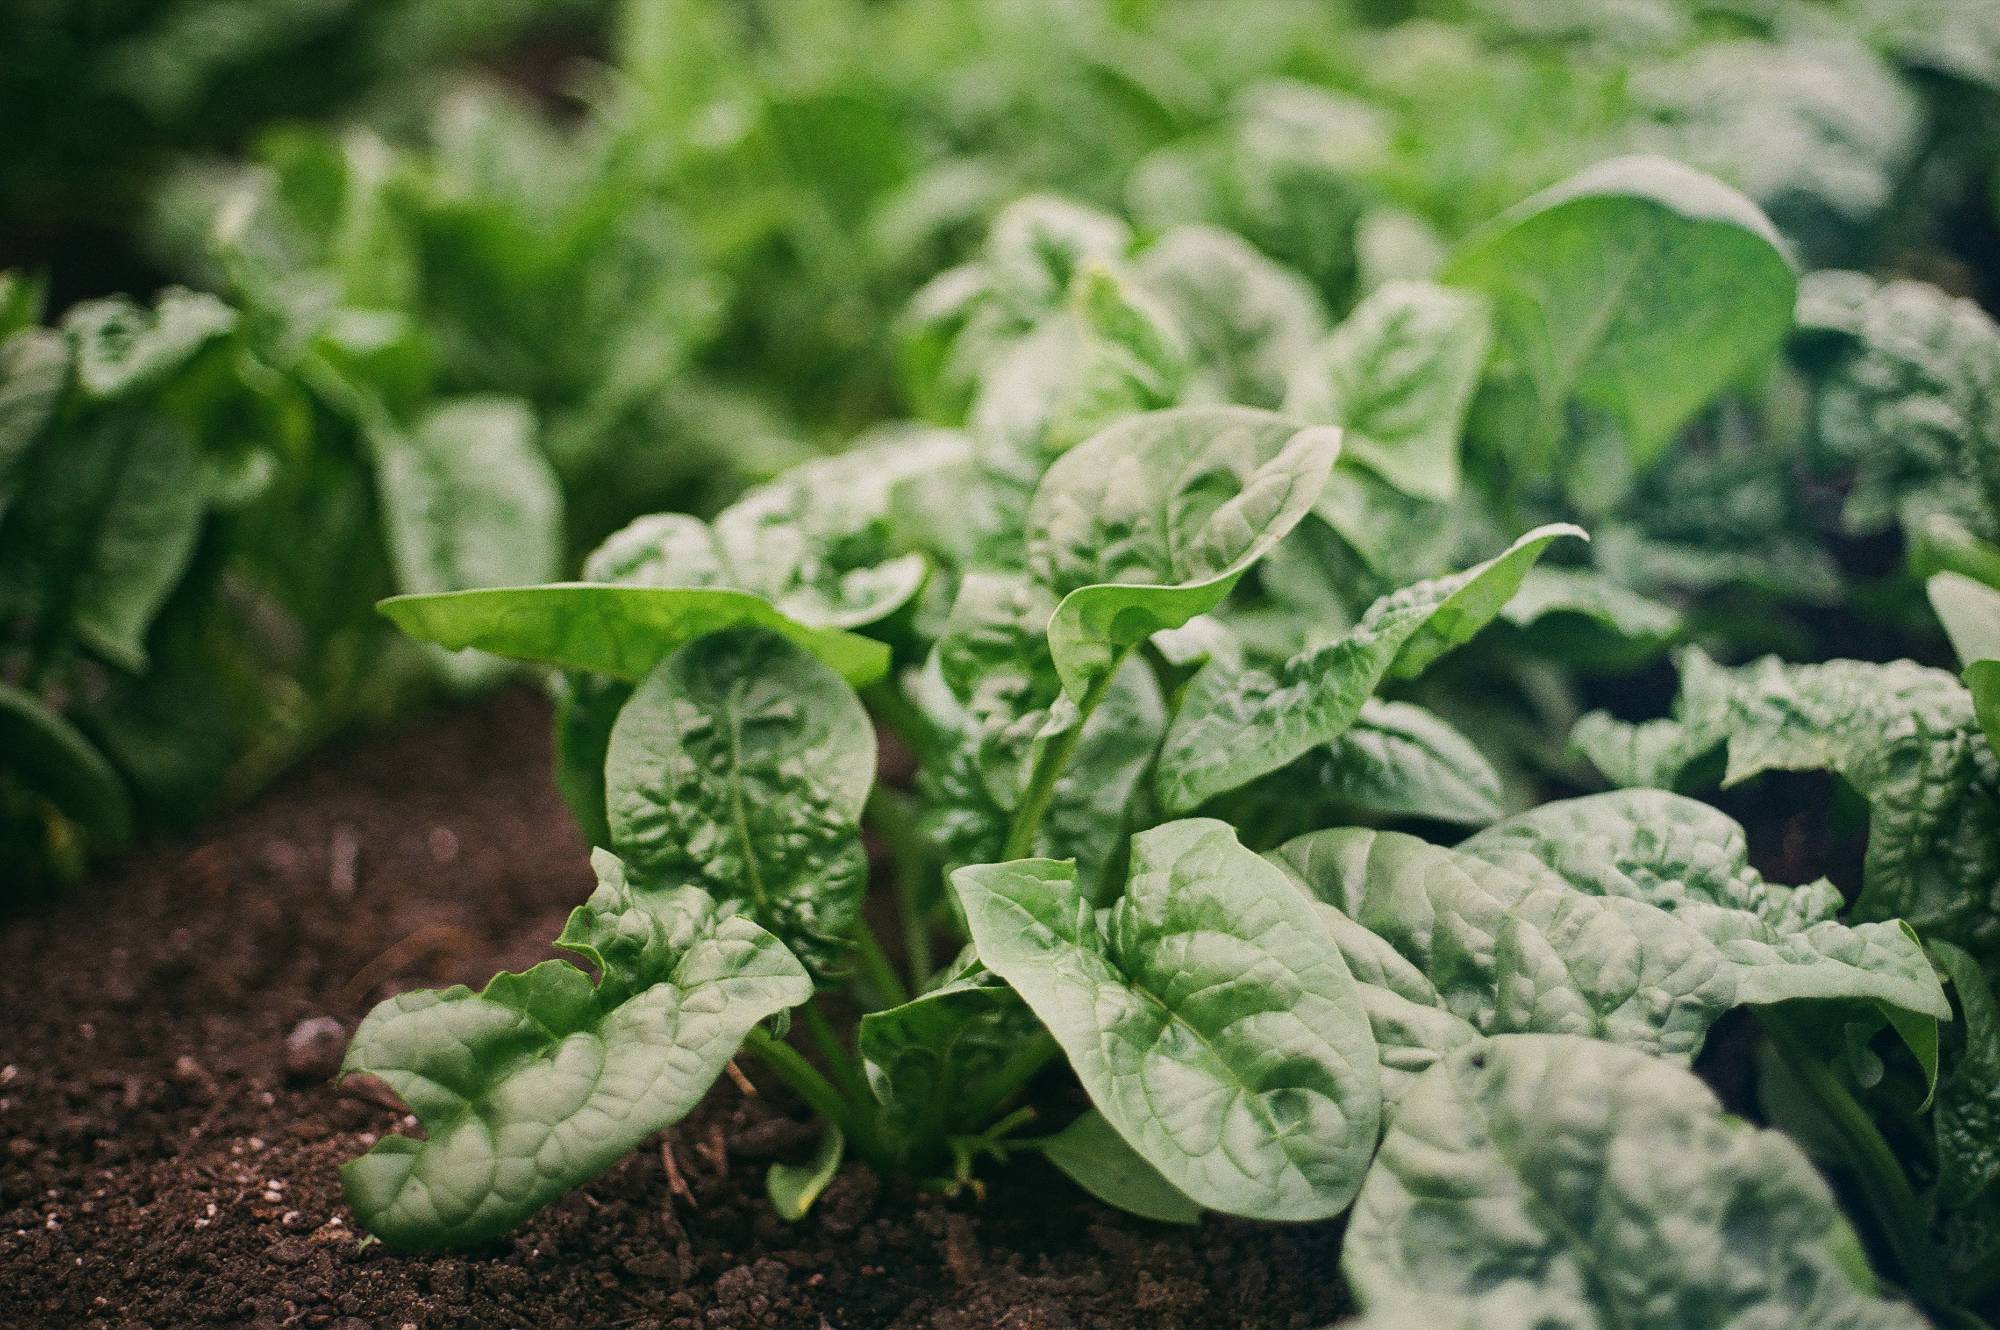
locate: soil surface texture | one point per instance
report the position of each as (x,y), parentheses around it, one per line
(172,1135)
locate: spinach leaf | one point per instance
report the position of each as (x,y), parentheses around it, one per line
(1967,1116)
(1152,521)
(741,764)
(1970,612)
(1632,917)
(1637,290)
(1903,380)
(1398,376)
(54,761)
(1249,321)
(1097,1159)
(1904,736)
(1235,725)
(545,1079)
(1212,1024)
(1530,1180)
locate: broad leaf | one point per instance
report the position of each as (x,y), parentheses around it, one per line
(1537,1180)
(1235,725)
(1249,320)
(1970,612)
(467,500)
(622,631)
(1150,523)
(1637,289)
(121,347)
(1097,1159)
(545,1079)
(1903,736)
(1632,917)
(741,764)
(34,368)
(1967,1116)
(1205,1013)
(1397,376)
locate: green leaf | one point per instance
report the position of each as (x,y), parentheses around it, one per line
(1632,917)
(1637,289)
(741,764)
(1967,1115)
(121,347)
(1210,1021)
(1970,612)
(467,500)
(1584,617)
(1249,321)
(545,1079)
(103,529)
(1097,1159)
(586,707)
(1398,376)
(1399,760)
(1904,736)
(34,368)
(794,1187)
(943,1063)
(1235,725)
(51,758)
(622,631)
(1150,523)
(1537,1180)
(1688,859)
(1903,378)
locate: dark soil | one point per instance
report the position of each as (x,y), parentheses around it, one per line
(172,1139)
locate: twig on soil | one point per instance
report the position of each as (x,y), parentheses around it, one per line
(742,1082)
(676,1184)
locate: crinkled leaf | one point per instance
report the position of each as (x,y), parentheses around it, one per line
(1636,289)
(1536,1180)
(1249,321)
(1904,736)
(1235,725)
(1097,1159)
(1631,916)
(1397,376)
(544,1080)
(622,631)
(1904,380)
(1213,1024)
(120,346)
(1967,1115)
(741,764)
(1150,523)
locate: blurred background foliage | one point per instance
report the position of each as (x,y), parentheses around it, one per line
(432,293)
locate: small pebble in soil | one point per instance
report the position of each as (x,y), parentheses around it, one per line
(313,1048)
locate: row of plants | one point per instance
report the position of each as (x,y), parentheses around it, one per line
(690,269)
(1212,624)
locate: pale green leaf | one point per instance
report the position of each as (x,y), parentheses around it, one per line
(1097,1159)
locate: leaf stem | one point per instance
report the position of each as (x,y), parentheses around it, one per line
(790,1066)
(846,1072)
(1049,765)
(889,812)
(876,969)
(1896,1209)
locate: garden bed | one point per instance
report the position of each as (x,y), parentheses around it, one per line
(170,1163)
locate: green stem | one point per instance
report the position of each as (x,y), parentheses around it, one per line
(1897,1211)
(846,1072)
(876,969)
(890,813)
(790,1066)
(1048,768)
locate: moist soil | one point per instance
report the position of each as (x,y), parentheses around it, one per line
(172,1134)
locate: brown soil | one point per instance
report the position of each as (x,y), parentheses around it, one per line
(163,1167)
